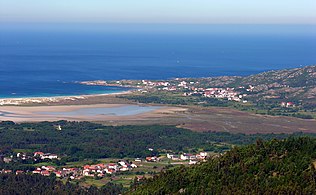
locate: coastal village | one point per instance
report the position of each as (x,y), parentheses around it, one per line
(187,88)
(98,170)
(190,89)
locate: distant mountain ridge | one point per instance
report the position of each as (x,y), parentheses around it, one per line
(297,77)
(297,84)
(272,87)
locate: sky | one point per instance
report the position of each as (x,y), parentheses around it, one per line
(160,11)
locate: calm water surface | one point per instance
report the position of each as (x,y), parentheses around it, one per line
(115,111)
(46,60)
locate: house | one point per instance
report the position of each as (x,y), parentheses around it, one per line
(7,171)
(86,167)
(112,166)
(36,171)
(39,154)
(58,128)
(151,159)
(287,104)
(110,171)
(72,171)
(204,154)
(45,156)
(101,166)
(140,177)
(58,173)
(124,168)
(173,156)
(7,159)
(49,156)
(87,173)
(134,166)
(290,104)
(187,156)
(122,163)
(19,172)
(45,173)
(48,168)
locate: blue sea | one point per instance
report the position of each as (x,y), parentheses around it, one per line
(47,59)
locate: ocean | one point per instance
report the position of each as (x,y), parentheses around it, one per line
(47,59)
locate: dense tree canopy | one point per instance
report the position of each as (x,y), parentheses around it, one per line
(90,140)
(274,167)
(24,184)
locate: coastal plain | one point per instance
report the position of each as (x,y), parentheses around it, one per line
(195,118)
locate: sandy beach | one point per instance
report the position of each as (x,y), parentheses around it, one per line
(61,100)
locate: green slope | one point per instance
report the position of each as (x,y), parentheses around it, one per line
(275,167)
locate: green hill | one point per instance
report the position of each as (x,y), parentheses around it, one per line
(289,84)
(296,84)
(274,167)
(296,77)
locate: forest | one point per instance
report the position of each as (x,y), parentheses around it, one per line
(24,184)
(272,167)
(257,164)
(82,140)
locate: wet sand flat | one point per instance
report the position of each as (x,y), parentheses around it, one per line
(109,110)
(221,120)
(97,112)
(189,117)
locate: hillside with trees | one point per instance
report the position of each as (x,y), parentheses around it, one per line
(81,140)
(273,167)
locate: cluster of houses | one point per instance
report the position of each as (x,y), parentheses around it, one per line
(191,88)
(35,157)
(182,85)
(221,93)
(47,171)
(96,170)
(287,104)
(155,83)
(192,158)
(196,88)
(43,156)
(101,170)
(151,159)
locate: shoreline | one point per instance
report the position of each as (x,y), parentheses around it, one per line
(38,101)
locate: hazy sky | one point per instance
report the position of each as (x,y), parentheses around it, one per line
(159,11)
